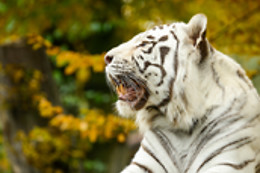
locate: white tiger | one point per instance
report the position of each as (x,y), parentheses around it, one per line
(197,109)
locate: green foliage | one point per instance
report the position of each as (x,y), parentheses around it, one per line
(83,23)
(71,21)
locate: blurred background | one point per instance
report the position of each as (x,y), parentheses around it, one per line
(56,111)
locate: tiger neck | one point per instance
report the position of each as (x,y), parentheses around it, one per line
(190,104)
(218,83)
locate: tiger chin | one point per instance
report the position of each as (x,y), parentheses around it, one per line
(172,81)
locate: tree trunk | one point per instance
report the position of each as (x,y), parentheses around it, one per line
(13,116)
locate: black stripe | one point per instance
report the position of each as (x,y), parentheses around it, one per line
(203,48)
(143,43)
(184,99)
(242,76)
(163,38)
(163,52)
(208,125)
(238,143)
(238,166)
(167,145)
(257,168)
(254,118)
(208,138)
(224,117)
(167,99)
(142,167)
(148,64)
(211,49)
(154,157)
(163,72)
(213,132)
(233,118)
(154,116)
(140,57)
(176,61)
(161,26)
(216,78)
(210,130)
(150,48)
(150,37)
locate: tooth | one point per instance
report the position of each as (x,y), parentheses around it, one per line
(121,88)
(117,89)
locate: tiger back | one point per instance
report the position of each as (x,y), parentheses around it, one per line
(196,107)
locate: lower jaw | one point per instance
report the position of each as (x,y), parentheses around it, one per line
(135,105)
(125,110)
(140,104)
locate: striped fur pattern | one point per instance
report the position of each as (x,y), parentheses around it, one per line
(196,107)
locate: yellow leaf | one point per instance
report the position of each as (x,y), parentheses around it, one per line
(98,63)
(34,85)
(18,75)
(70,69)
(37,46)
(57,109)
(37,75)
(93,135)
(58,171)
(63,58)
(54,50)
(83,126)
(82,75)
(47,43)
(251,73)
(121,138)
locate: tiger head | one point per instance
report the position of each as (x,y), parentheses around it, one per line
(150,73)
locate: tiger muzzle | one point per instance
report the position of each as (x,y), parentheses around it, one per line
(131,90)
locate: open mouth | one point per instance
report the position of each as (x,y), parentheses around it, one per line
(131,90)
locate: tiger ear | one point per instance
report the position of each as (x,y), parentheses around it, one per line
(197,28)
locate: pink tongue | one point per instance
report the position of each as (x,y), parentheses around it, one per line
(128,96)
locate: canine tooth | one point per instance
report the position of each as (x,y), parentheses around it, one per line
(117,89)
(121,88)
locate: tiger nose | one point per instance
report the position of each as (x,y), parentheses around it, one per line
(108,59)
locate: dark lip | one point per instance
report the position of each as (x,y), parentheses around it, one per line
(140,92)
(141,101)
